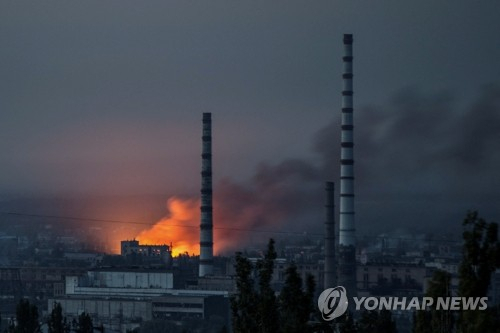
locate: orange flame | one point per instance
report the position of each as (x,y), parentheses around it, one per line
(181,227)
(231,223)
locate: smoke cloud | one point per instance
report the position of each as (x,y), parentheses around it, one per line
(420,161)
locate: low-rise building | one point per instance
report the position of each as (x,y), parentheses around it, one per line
(391,278)
(121,299)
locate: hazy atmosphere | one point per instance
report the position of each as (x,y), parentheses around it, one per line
(101,106)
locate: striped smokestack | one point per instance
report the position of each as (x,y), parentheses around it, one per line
(330,280)
(206,237)
(347,231)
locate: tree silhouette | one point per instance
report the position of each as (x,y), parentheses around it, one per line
(481,256)
(57,322)
(433,320)
(255,306)
(268,312)
(26,318)
(295,304)
(244,303)
(84,324)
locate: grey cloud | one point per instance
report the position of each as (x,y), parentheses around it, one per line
(421,160)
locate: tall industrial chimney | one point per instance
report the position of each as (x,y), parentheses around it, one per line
(330,279)
(347,231)
(206,227)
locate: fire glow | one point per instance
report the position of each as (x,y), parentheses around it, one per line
(242,211)
(180,227)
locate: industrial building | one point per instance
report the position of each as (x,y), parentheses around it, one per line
(131,247)
(121,299)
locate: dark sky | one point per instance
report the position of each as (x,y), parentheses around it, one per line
(106,97)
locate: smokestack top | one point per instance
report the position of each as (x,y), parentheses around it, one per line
(347,38)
